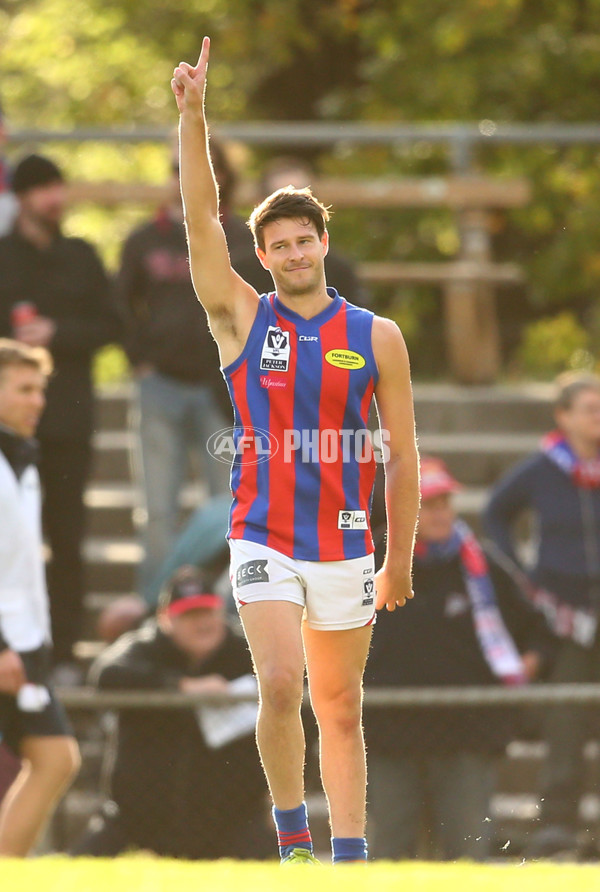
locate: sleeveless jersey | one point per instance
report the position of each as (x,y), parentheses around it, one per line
(303,468)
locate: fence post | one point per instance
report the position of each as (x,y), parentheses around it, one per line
(472,334)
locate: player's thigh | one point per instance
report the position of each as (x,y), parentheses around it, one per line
(273,632)
(335,662)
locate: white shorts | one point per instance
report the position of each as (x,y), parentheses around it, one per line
(334,594)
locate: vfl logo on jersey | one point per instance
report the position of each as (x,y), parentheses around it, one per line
(251,572)
(352,520)
(345,359)
(369,592)
(275,354)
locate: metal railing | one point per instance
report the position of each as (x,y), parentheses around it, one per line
(534,694)
(461,138)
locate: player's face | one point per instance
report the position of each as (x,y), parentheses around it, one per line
(582,420)
(45,204)
(199,632)
(22,398)
(294,255)
(436,518)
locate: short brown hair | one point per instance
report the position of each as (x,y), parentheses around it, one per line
(570,384)
(290,203)
(14,353)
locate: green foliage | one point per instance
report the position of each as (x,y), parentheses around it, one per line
(69,63)
(553,345)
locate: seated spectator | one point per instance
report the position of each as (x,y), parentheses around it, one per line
(176,789)
(468,625)
(560,486)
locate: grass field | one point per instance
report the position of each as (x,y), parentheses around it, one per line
(145,874)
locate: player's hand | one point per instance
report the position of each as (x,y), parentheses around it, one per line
(188,84)
(394,588)
(12,672)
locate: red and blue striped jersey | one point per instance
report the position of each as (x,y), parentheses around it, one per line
(303,470)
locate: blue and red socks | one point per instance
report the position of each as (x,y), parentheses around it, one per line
(348,848)
(292,829)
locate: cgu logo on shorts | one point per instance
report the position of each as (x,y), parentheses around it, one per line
(345,359)
(275,354)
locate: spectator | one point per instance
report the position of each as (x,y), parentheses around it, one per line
(54,293)
(8,202)
(32,723)
(176,790)
(174,358)
(290,171)
(560,485)
(468,625)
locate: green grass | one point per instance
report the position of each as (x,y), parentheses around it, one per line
(147,874)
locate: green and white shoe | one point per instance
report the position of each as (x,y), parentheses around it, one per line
(300,856)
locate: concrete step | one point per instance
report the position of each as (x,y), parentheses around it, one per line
(446,408)
(439,407)
(112,406)
(114,509)
(111,564)
(478,459)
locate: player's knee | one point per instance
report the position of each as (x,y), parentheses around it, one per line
(280,689)
(58,761)
(341,711)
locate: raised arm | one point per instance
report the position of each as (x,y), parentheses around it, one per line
(230,303)
(397,422)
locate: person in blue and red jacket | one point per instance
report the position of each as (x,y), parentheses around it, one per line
(433,770)
(560,486)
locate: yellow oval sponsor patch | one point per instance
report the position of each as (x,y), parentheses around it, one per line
(345,359)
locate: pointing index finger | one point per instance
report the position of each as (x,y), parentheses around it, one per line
(204,54)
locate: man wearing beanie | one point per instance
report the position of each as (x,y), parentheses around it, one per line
(54,294)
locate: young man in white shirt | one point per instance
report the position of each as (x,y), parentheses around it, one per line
(32,722)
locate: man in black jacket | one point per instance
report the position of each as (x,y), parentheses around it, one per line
(180,392)
(469,624)
(177,789)
(54,293)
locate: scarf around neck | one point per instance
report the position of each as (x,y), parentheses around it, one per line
(495,640)
(583,472)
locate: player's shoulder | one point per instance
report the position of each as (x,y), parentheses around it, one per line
(386,332)
(389,347)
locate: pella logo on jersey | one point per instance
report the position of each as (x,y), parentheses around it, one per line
(345,359)
(275,354)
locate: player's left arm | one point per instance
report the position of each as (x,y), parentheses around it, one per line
(397,422)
